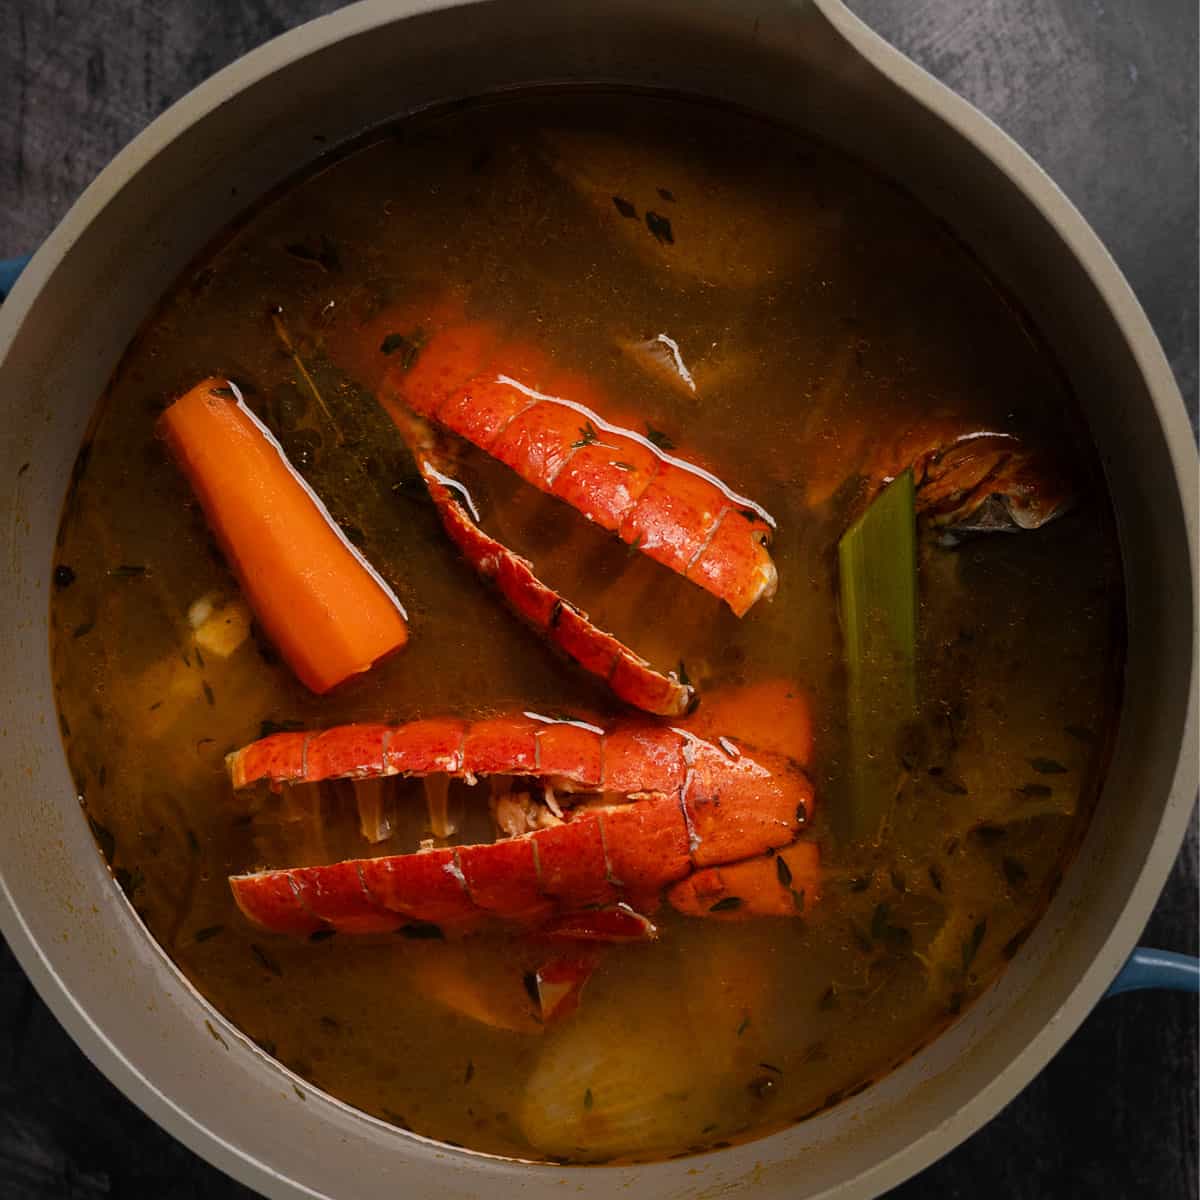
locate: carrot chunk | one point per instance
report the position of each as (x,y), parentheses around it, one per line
(321,604)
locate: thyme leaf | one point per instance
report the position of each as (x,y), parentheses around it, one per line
(970,946)
(266,960)
(1047,766)
(656,437)
(407,345)
(422,931)
(587,436)
(660,227)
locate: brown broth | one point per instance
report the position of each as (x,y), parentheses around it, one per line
(823,314)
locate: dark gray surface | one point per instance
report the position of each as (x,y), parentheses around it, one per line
(1104,96)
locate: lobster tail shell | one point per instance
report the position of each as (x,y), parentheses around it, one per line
(694,807)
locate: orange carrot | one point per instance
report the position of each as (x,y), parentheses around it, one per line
(318,600)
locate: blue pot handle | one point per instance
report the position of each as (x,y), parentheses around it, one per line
(10,268)
(1146,968)
(1160,969)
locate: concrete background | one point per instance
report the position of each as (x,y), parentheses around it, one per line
(1103,94)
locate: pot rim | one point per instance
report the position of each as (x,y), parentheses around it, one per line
(1109,284)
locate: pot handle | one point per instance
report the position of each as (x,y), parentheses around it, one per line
(1159,969)
(10,268)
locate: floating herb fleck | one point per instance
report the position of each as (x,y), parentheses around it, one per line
(1079,733)
(970,946)
(1029,790)
(587,1099)
(129,881)
(209,931)
(743,1026)
(667,195)
(797,899)
(422,930)
(682,675)
(64,576)
(950,786)
(408,346)
(625,208)
(660,227)
(104,838)
(784,872)
(726,904)
(208,693)
(469,1073)
(1014,871)
(879,921)
(268,727)
(766,1066)
(634,546)
(802,813)
(266,960)
(989,835)
(624,466)
(212,1029)
(587,436)
(935,876)
(656,437)
(330,1023)
(223,393)
(1015,943)
(129,571)
(829,999)
(1047,766)
(321,935)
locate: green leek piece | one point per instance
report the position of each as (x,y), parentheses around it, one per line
(877,570)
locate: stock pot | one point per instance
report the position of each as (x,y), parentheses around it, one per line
(808,62)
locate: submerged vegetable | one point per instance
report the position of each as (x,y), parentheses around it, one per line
(877,578)
(323,606)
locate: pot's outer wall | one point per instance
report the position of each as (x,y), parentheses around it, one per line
(73,931)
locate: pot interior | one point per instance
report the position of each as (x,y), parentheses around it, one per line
(243,134)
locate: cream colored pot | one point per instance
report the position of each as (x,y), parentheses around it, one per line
(195,168)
